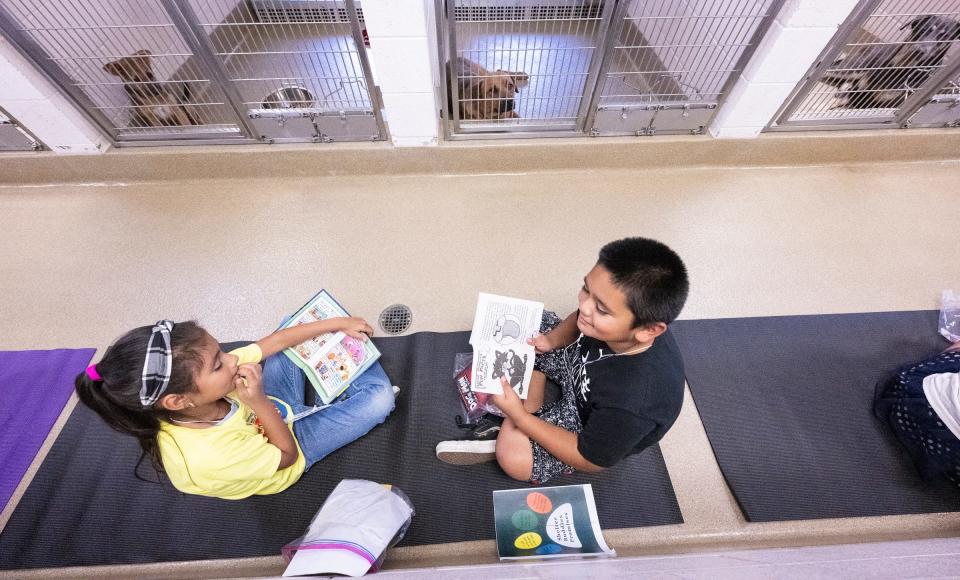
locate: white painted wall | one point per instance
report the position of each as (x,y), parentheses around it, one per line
(403,58)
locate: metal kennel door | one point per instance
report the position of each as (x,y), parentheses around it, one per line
(222,70)
(893,63)
(298,67)
(73,40)
(555,43)
(668,64)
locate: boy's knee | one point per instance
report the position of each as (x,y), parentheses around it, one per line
(514,452)
(515,465)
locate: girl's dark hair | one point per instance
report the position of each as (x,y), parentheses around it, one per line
(116,398)
(651,276)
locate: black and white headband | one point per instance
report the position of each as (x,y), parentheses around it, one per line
(157,365)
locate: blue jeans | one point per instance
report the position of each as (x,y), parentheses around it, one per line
(364,405)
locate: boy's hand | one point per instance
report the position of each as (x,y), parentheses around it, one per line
(249,383)
(356,327)
(541,343)
(509,402)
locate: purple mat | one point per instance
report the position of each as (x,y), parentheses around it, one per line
(34,387)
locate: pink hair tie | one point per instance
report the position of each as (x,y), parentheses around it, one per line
(93,374)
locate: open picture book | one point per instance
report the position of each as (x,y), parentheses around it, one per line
(333,359)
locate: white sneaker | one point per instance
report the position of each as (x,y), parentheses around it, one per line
(467,452)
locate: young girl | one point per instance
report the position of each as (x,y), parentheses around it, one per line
(204,417)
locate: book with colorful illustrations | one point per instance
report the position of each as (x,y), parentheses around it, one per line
(548,522)
(333,359)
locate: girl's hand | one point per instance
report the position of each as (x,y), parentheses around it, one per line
(356,327)
(249,383)
(541,343)
(509,402)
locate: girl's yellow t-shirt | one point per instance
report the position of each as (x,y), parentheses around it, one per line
(230,460)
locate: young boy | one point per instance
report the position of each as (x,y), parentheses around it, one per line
(620,371)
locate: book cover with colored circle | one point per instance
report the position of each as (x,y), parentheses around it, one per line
(548,522)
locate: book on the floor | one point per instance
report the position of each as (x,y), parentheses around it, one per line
(548,522)
(333,359)
(501,327)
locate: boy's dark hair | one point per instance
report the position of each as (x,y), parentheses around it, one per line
(651,275)
(116,398)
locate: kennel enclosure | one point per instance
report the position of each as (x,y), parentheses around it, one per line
(893,63)
(601,67)
(241,70)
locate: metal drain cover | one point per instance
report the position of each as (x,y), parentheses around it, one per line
(396,318)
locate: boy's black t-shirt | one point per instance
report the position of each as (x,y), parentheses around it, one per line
(626,403)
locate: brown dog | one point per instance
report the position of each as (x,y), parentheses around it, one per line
(484,94)
(155,104)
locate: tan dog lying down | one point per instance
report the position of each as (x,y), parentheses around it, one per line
(485,94)
(156,105)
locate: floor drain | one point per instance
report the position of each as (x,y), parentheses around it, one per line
(396,318)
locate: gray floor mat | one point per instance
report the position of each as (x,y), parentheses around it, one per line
(787,405)
(84,507)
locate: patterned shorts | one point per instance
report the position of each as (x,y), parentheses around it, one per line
(901,403)
(562,413)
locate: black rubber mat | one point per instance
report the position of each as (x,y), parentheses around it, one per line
(787,406)
(85,507)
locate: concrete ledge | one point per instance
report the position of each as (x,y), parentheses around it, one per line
(519,156)
(637,542)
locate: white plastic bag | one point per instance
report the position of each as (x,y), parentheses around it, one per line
(950,316)
(352,531)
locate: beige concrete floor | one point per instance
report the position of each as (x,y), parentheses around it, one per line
(873,232)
